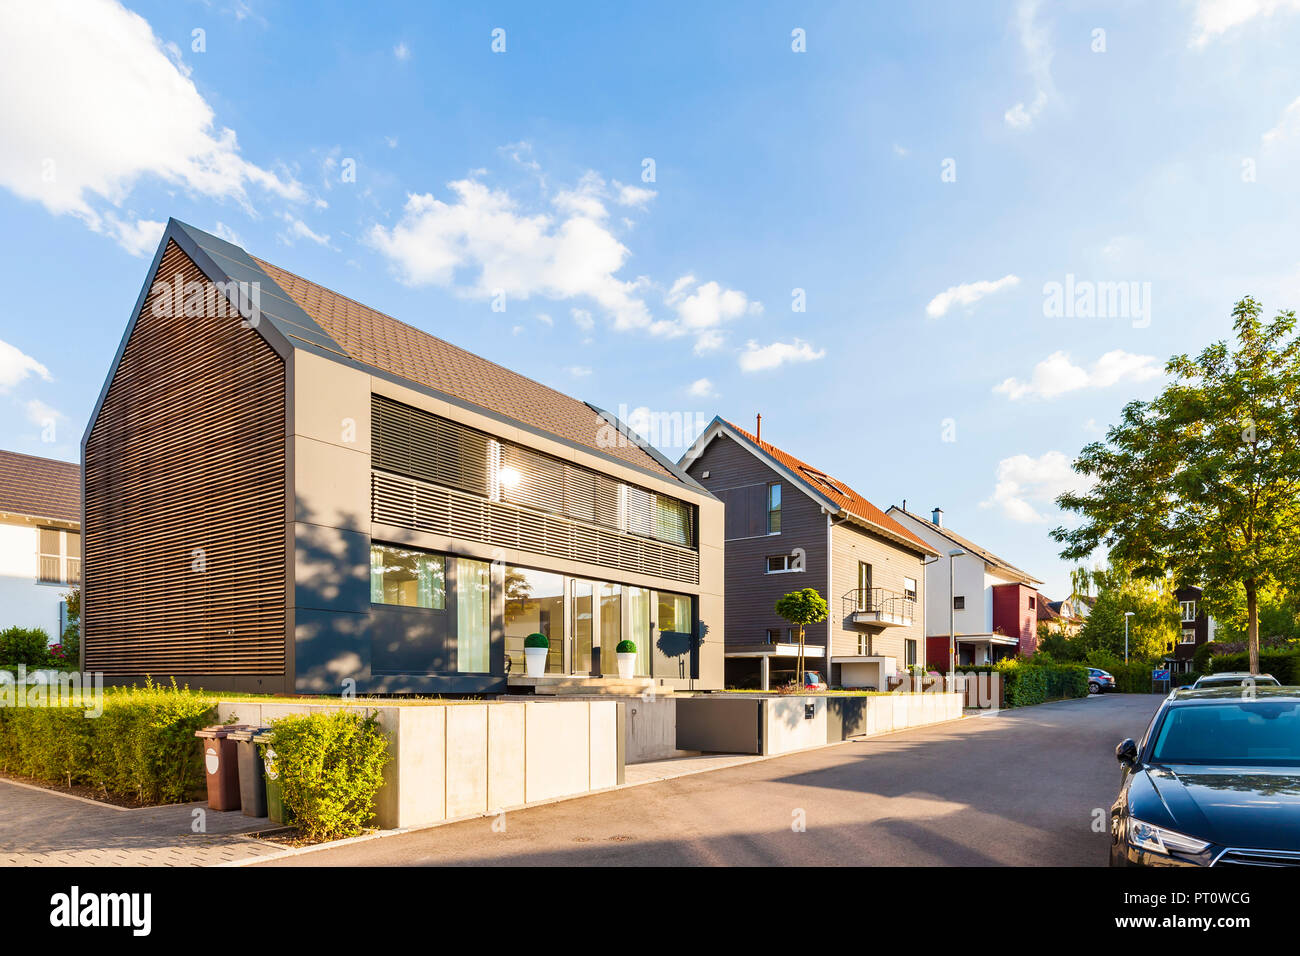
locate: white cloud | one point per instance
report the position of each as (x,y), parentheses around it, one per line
(968,294)
(702,307)
(38,413)
(16,365)
(402,52)
(225,232)
(1024,483)
(1037,49)
(582,318)
(1214,18)
(106,105)
(579,371)
(901,151)
(635,196)
(300,230)
(1287,127)
(483,233)
(1056,375)
(759,358)
(701,388)
(545,319)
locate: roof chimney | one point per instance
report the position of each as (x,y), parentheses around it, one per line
(936,517)
(758,431)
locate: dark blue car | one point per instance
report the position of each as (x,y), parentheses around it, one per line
(1214,782)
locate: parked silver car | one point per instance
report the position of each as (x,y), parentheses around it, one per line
(1235,678)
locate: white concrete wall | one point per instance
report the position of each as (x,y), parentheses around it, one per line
(23,602)
(460,760)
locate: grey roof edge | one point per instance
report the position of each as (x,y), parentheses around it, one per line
(967,543)
(663,460)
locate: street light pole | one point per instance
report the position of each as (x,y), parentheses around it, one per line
(952,619)
(1127,615)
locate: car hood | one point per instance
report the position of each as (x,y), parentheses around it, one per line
(1232,806)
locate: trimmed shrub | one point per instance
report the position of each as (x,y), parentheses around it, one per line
(141,748)
(1284,665)
(331,766)
(1027,682)
(25,645)
(625,647)
(537,640)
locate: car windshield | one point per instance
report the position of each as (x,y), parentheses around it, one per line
(1252,733)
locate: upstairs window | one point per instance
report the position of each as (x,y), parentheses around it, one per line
(1031,604)
(780,563)
(59,560)
(1189,610)
(909,588)
(959,602)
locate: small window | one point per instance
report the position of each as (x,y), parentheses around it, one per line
(774,635)
(60,557)
(780,563)
(910,652)
(407,578)
(1189,610)
(1031,604)
(1188,637)
(909,588)
(959,602)
(774,508)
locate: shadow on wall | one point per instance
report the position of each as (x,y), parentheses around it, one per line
(331,602)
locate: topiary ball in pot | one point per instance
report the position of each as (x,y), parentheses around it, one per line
(626,654)
(536,647)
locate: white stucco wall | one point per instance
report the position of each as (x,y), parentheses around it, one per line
(23,602)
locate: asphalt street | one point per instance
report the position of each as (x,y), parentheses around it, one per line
(1025,787)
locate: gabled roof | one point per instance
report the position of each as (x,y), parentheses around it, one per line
(304,315)
(837,495)
(967,545)
(39,487)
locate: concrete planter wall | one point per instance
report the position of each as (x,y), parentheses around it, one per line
(775,725)
(464,759)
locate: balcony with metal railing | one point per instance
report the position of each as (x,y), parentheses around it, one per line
(879,607)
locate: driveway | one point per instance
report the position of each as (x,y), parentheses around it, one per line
(1024,787)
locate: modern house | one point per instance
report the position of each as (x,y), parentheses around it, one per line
(40,541)
(790,526)
(994,603)
(287,491)
(1197,628)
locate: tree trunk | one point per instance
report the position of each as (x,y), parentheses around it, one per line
(799,678)
(1252,624)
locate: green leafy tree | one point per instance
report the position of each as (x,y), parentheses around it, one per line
(1153,628)
(1204,480)
(802,608)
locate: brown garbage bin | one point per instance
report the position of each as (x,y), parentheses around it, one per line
(221,765)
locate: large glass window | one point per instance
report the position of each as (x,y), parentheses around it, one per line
(611,626)
(639,625)
(473,616)
(534,604)
(407,578)
(674,613)
(584,600)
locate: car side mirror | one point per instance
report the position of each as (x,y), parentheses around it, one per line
(1127,752)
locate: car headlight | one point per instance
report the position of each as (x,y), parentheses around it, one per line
(1144,836)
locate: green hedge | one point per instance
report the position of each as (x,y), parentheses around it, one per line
(331,766)
(1026,682)
(1284,665)
(25,645)
(141,747)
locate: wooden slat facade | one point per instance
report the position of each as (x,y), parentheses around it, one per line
(187,453)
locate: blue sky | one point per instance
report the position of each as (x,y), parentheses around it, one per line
(922,172)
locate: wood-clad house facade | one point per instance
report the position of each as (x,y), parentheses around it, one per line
(790,526)
(286,491)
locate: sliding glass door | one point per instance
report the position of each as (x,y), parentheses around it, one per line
(584,625)
(534,603)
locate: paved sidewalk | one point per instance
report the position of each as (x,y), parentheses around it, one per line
(44,828)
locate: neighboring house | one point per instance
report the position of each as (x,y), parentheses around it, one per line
(994,603)
(1196,628)
(1059,616)
(315,497)
(790,526)
(40,541)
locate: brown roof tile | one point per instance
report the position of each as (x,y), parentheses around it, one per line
(379,340)
(836,490)
(39,487)
(969,545)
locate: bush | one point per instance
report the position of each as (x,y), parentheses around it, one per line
(142,747)
(25,645)
(537,640)
(331,766)
(1027,682)
(625,647)
(70,639)
(1284,665)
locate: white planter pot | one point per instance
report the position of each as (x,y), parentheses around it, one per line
(535,658)
(626,665)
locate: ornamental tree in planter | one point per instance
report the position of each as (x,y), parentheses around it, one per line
(536,647)
(626,654)
(802,608)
